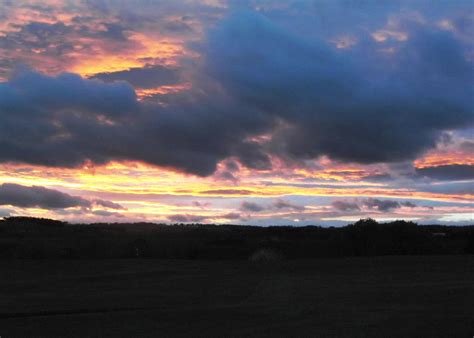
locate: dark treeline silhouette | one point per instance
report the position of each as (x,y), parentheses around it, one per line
(26,237)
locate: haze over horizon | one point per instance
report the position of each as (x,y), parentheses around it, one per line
(248,112)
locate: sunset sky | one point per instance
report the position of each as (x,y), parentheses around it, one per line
(265,112)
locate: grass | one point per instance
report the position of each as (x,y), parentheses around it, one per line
(410,296)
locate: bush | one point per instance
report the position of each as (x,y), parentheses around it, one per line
(265,256)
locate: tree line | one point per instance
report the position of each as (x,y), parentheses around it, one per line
(37,238)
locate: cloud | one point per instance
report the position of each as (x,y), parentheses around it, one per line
(448,172)
(44,120)
(408,204)
(56,46)
(447,188)
(356,105)
(66,121)
(345,206)
(279,204)
(201,204)
(147,77)
(191,218)
(226,192)
(282,204)
(468,146)
(381,205)
(256,79)
(37,36)
(226,175)
(231,216)
(38,197)
(177,26)
(252,207)
(105,213)
(384,205)
(227,171)
(378,178)
(187,218)
(108,204)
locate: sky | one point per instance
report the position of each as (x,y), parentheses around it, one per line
(261,112)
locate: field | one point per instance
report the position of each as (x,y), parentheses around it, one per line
(410,296)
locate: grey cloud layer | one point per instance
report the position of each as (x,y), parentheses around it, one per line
(200,218)
(40,197)
(448,172)
(337,103)
(145,78)
(359,105)
(370,203)
(66,121)
(252,207)
(278,204)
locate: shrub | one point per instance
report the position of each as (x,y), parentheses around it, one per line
(265,256)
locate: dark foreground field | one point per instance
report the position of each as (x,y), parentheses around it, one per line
(430,296)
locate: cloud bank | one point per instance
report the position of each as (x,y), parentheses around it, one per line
(44,198)
(257,78)
(381,205)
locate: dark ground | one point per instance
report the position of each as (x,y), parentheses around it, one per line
(409,296)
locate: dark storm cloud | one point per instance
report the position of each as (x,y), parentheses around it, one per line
(356,105)
(252,155)
(195,133)
(44,198)
(38,197)
(231,166)
(61,121)
(145,78)
(448,172)
(66,121)
(257,78)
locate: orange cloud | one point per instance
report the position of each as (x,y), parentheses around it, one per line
(445,157)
